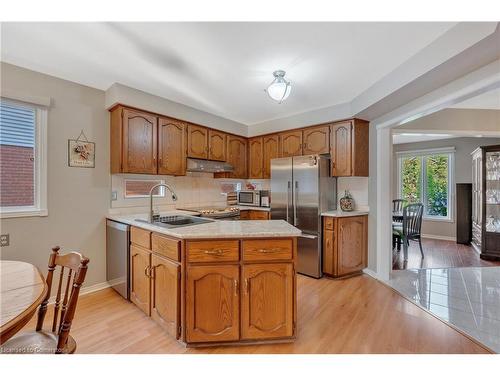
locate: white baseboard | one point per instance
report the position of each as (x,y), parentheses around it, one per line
(94,288)
(86,290)
(371,273)
(435,237)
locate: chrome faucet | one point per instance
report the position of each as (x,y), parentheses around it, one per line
(174,198)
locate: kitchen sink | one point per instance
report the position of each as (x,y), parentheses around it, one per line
(176,221)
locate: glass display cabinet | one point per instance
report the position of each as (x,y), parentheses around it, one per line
(486,168)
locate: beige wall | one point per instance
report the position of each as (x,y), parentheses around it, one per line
(78,198)
(484,121)
(463,173)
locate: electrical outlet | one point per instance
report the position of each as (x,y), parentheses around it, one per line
(114,195)
(4,240)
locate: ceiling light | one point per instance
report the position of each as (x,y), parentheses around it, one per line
(280,88)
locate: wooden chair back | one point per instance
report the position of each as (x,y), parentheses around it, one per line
(412,220)
(64,310)
(397,206)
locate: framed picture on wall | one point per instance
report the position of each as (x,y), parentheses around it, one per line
(81,153)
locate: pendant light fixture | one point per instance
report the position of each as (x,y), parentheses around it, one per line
(280,88)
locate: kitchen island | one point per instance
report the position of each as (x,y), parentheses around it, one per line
(216,283)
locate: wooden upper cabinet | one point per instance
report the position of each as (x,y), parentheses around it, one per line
(271,151)
(139,142)
(197,142)
(212,303)
(316,140)
(291,143)
(165,294)
(237,156)
(267,301)
(341,149)
(349,148)
(140,289)
(255,158)
(216,145)
(352,244)
(171,147)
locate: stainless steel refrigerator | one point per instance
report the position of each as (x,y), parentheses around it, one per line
(301,190)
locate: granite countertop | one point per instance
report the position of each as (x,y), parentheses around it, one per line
(216,229)
(248,208)
(340,213)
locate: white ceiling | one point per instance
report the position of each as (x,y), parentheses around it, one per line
(488,100)
(222,68)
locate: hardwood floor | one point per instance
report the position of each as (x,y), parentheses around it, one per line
(355,315)
(439,254)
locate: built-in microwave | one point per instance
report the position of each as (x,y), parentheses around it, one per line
(258,198)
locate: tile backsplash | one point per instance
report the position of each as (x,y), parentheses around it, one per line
(193,190)
(357,186)
(201,189)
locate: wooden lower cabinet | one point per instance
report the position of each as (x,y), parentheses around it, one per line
(254,215)
(212,303)
(140,286)
(165,294)
(208,291)
(267,301)
(345,247)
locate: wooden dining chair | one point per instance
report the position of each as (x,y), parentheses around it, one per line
(397,206)
(410,228)
(58,340)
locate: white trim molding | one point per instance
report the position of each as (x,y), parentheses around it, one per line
(40,167)
(436,237)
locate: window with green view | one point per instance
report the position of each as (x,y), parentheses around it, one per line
(425,178)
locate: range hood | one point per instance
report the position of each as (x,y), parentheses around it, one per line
(207,166)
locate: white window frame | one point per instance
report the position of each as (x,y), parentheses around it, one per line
(40,165)
(160,192)
(450,151)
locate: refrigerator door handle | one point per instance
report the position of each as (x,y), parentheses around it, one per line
(295,202)
(288,200)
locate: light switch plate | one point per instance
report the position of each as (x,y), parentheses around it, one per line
(114,195)
(4,240)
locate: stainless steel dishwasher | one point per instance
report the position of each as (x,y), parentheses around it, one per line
(118,256)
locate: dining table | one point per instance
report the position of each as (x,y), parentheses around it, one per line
(22,290)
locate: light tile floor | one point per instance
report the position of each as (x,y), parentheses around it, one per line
(467,298)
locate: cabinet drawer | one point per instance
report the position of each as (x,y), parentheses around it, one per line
(167,247)
(213,251)
(281,249)
(329,223)
(259,215)
(140,237)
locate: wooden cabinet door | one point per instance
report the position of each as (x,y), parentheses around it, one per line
(216,145)
(197,140)
(259,215)
(139,142)
(140,288)
(212,303)
(237,155)
(255,158)
(316,140)
(351,244)
(165,294)
(341,149)
(291,143)
(270,151)
(171,147)
(329,256)
(267,301)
